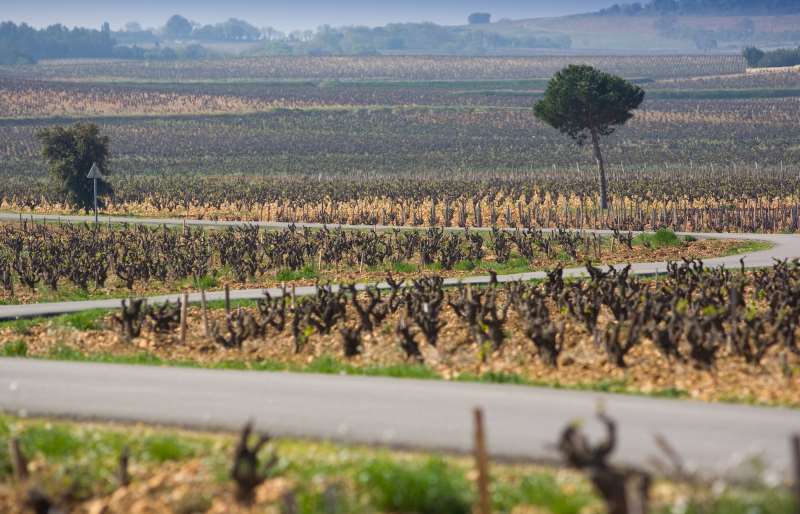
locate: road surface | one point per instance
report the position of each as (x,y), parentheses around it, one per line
(523,423)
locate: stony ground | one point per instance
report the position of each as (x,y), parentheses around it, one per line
(582,362)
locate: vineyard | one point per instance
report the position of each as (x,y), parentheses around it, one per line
(417,175)
(44,262)
(21,98)
(710,334)
(26,99)
(405,141)
(365,141)
(670,163)
(383,67)
(702,198)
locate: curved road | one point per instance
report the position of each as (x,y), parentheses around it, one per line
(784,246)
(523,422)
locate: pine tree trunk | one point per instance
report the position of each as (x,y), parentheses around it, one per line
(601,170)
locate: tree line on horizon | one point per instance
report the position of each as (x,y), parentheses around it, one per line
(779,58)
(359,40)
(180,38)
(23,44)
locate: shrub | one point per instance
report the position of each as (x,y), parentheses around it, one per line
(14,349)
(53,442)
(541,491)
(166,448)
(5,462)
(752,55)
(665,237)
(661,238)
(431,487)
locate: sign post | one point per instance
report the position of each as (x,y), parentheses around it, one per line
(95,174)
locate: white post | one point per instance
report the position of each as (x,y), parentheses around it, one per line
(95,174)
(95,200)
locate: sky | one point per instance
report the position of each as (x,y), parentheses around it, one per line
(282,14)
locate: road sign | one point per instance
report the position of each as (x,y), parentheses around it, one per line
(95,173)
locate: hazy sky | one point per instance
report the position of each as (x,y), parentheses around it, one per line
(282,14)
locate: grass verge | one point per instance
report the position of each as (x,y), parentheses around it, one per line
(748,247)
(77,462)
(180,471)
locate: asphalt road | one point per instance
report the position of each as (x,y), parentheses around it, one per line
(784,246)
(523,423)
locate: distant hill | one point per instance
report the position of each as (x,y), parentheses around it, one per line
(641,32)
(705,8)
(669,25)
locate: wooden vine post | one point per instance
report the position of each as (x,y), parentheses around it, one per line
(796,470)
(482,464)
(19,464)
(184,313)
(204,304)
